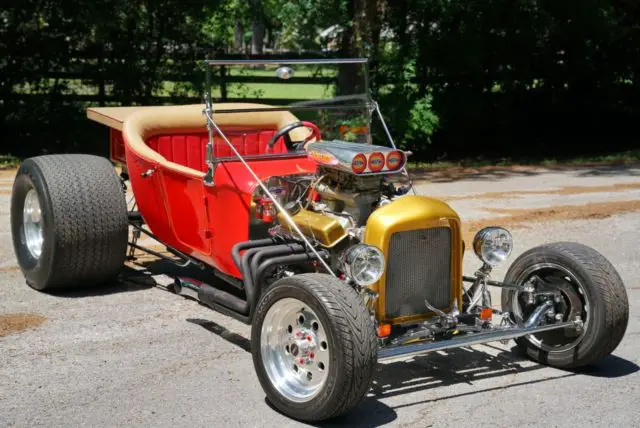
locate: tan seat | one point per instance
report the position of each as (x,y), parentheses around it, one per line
(175,136)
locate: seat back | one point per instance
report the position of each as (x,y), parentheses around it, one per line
(189,149)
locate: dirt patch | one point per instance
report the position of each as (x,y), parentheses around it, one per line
(18,322)
(8,173)
(450,174)
(10,268)
(521,218)
(567,190)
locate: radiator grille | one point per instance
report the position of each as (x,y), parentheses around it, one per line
(419,267)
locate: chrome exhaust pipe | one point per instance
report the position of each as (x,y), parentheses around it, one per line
(469,339)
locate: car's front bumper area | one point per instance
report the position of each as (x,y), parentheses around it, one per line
(468,339)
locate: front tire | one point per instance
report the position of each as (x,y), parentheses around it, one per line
(590,287)
(68,221)
(314,346)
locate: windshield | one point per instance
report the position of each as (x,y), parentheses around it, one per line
(332,94)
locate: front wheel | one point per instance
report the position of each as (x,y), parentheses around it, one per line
(588,288)
(314,346)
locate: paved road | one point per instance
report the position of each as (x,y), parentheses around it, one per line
(133,354)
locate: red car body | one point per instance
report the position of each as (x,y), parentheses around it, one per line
(201,221)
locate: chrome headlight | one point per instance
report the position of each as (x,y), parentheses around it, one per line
(364,264)
(493,245)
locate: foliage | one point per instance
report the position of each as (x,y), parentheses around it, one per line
(8,161)
(455,78)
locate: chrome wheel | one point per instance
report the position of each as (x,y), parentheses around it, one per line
(573,303)
(32,224)
(295,350)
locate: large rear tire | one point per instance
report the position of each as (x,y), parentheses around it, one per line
(68,221)
(314,346)
(590,288)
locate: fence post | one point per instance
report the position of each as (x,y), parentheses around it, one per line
(101,74)
(223,83)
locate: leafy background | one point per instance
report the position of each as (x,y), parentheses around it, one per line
(456,78)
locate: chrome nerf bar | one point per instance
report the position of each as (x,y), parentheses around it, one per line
(403,351)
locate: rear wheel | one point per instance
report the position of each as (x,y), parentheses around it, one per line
(68,221)
(314,347)
(588,288)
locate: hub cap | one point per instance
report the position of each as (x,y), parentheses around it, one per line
(295,350)
(32,222)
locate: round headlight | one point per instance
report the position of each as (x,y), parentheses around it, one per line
(493,245)
(364,264)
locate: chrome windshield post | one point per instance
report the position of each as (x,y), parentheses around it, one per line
(376,108)
(208,112)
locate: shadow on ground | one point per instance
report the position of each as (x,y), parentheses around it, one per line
(129,280)
(437,370)
(231,337)
(496,173)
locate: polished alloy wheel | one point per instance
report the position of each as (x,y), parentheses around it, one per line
(295,350)
(32,223)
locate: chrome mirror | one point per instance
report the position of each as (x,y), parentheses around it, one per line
(284,72)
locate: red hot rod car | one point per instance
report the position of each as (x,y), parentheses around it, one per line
(330,256)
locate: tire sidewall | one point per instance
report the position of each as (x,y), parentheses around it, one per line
(36,271)
(323,402)
(595,324)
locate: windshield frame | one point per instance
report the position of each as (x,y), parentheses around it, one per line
(210,109)
(211,63)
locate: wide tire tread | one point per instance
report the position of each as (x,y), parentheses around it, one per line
(90,224)
(607,287)
(356,334)
(610,288)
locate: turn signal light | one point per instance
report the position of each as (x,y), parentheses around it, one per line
(384,330)
(486,314)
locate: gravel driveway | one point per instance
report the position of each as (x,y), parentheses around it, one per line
(134,354)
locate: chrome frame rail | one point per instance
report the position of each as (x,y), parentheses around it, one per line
(404,351)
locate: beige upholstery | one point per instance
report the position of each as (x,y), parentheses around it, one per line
(140,123)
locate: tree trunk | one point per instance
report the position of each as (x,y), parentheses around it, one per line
(352,45)
(257,27)
(238,46)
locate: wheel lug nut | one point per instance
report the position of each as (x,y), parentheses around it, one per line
(309,338)
(312,355)
(301,360)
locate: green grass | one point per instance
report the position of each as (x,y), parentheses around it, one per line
(626,157)
(8,161)
(287,90)
(284,90)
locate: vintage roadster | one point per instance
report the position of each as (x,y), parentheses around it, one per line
(314,233)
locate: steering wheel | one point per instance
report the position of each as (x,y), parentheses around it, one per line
(284,133)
